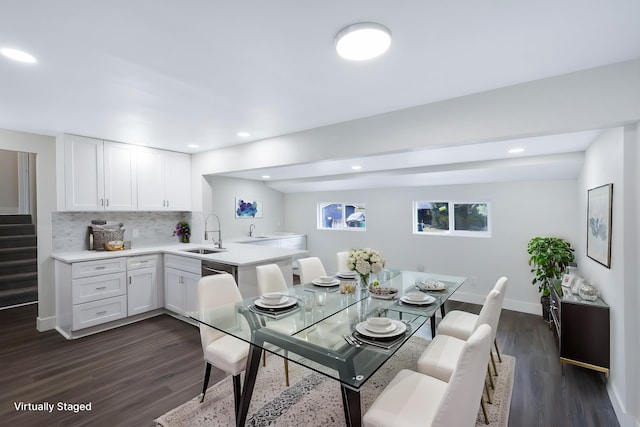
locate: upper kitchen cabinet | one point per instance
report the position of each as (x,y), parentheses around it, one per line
(99,175)
(164,180)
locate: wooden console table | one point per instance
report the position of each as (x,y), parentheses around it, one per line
(582,329)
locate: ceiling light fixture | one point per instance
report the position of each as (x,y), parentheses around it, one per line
(18,55)
(362,41)
(193,146)
(356,167)
(516,150)
(243,134)
(266,176)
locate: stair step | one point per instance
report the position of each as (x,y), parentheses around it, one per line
(17,229)
(29,265)
(18,280)
(18,296)
(17,241)
(15,219)
(12,254)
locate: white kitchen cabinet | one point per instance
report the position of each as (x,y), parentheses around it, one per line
(99,175)
(164,180)
(181,277)
(143,293)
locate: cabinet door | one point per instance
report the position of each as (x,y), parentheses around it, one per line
(142,292)
(191,292)
(120,187)
(151,187)
(178,181)
(174,290)
(83,174)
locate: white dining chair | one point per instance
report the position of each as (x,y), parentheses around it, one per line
(271,279)
(310,268)
(440,357)
(223,351)
(341,258)
(413,399)
(461,324)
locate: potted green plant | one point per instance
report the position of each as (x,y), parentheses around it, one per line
(549,257)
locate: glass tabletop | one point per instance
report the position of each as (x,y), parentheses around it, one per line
(315,326)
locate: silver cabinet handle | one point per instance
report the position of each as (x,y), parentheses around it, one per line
(100,313)
(101,288)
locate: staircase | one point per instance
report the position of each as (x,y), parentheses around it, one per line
(18,260)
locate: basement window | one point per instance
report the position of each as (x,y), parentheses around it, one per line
(448,218)
(342,216)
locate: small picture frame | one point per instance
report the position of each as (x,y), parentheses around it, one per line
(247,208)
(599,208)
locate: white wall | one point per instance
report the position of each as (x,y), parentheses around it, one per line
(44,149)
(519,211)
(218,197)
(9,180)
(612,159)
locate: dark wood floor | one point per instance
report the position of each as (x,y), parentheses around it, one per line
(135,373)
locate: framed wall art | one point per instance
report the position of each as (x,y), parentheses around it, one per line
(599,201)
(246,208)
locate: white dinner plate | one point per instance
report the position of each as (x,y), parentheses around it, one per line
(381,330)
(287,303)
(426,301)
(317,282)
(348,275)
(399,329)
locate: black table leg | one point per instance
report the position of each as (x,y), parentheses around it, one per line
(352,409)
(433,326)
(442,310)
(253,363)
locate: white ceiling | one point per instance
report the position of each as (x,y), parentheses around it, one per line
(167,73)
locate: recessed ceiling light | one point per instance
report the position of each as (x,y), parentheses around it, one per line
(266,176)
(193,146)
(356,167)
(18,55)
(362,41)
(244,134)
(516,150)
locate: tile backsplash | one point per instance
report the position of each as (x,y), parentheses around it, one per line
(70,229)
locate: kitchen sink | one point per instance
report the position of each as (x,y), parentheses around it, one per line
(204,251)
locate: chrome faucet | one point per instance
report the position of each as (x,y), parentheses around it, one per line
(251,228)
(216,243)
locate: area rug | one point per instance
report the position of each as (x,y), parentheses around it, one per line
(314,399)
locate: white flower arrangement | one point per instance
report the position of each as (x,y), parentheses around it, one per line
(365,261)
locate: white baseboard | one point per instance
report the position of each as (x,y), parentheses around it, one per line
(45,323)
(624,418)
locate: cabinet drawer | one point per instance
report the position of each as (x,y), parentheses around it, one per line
(103,266)
(97,312)
(192,265)
(98,287)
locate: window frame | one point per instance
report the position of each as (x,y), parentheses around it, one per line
(344,227)
(451,204)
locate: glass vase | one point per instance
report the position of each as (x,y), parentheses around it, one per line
(184,238)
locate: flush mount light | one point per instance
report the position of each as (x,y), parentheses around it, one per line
(363,41)
(266,176)
(516,150)
(193,146)
(356,167)
(243,134)
(18,55)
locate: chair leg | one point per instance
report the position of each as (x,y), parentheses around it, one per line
(493,362)
(490,377)
(486,389)
(497,350)
(264,357)
(207,373)
(484,411)
(237,389)
(286,371)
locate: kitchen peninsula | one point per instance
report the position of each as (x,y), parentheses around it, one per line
(99,290)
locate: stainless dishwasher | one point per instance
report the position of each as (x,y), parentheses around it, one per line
(212,267)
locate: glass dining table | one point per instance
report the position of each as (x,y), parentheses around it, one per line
(321,328)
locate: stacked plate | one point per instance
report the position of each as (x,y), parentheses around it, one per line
(417,298)
(348,275)
(275,302)
(431,285)
(381,328)
(326,281)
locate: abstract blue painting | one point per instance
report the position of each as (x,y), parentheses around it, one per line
(246,208)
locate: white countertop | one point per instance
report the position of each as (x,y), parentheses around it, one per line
(238,254)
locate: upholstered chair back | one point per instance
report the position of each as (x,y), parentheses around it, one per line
(342,261)
(459,405)
(215,291)
(310,268)
(270,279)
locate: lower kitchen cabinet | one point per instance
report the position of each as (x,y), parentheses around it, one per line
(143,290)
(181,277)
